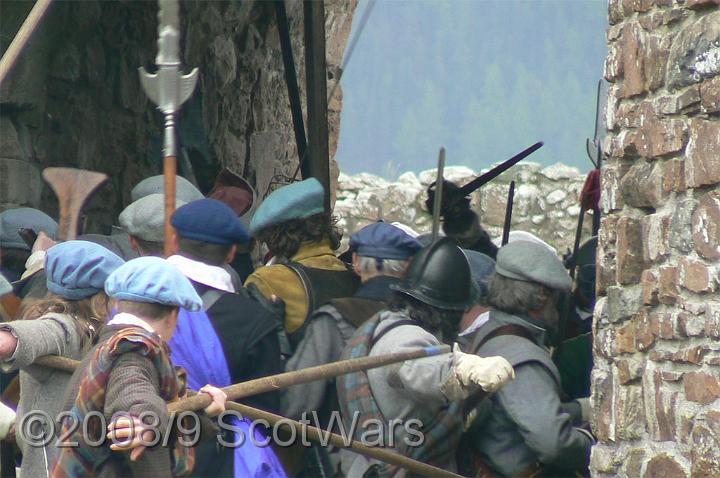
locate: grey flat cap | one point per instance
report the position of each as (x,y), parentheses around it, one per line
(184,189)
(145,218)
(532,262)
(24,218)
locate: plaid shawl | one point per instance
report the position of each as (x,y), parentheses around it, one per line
(442,435)
(85,460)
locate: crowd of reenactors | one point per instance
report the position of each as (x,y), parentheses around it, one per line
(509,400)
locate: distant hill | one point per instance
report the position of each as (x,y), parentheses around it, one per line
(483,78)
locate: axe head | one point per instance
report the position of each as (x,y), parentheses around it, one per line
(73,187)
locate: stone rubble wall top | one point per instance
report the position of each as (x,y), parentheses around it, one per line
(546,200)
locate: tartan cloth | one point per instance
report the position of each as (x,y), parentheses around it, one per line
(85,460)
(442,435)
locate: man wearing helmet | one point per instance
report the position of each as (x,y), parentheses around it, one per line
(424,311)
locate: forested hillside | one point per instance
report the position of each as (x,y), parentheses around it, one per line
(483,78)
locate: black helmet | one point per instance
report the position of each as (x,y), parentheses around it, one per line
(439,276)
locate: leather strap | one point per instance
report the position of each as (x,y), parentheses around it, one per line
(390,327)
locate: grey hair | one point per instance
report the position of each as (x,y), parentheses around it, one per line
(385,267)
(517,296)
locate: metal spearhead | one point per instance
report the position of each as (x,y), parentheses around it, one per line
(168,88)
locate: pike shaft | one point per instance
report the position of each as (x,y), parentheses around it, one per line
(315,434)
(310,374)
(274,382)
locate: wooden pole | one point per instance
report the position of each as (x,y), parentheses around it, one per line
(317,164)
(274,382)
(23,35)
(310,374)
(383,454)
(169,173)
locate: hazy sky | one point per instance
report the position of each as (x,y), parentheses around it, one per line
(485,79)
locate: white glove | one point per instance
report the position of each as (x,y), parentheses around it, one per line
(7,419)
(490,373)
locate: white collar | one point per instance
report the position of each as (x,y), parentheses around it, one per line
(479,321)
(124,318)
(211,276)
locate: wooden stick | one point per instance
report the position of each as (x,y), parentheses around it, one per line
(383,454)
(310,374)
(273,382)
(169,173)
(23,35)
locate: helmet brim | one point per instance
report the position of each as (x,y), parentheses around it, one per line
(439,304)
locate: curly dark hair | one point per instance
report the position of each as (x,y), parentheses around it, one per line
(439,322)
(284,239)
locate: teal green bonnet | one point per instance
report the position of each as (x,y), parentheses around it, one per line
(294,201)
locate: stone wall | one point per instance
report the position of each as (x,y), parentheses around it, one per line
(656,383)
(546,201)
(74,99)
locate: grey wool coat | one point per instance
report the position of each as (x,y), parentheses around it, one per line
(524,422)
(42,388)
(406,390)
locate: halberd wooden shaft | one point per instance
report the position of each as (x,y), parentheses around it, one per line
(169,173)
(383,454)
